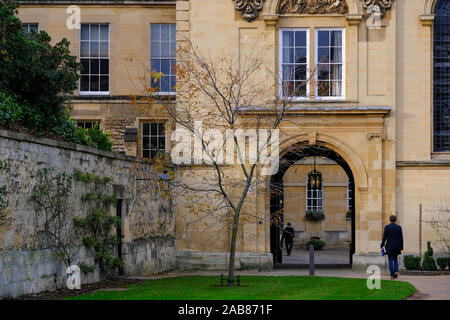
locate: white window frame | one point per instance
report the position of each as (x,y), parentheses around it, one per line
(163,93)
(316,53)
(280,62)
(88,120)
(317,198)
(26,25)
(149,136)
(96,93)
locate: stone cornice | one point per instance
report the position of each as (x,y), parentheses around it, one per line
(343,111)
(434,164)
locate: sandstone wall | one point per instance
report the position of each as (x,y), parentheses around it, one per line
(148,244)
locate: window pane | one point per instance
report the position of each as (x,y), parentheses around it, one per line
(162,143)
(165,32)
(104,32)
(288,55)
(173,30)
(335,88)
(154,129)
(441,112)
(323,55)
(161,129)
(336,38)
(95,66)
(288,88)
(323,88)
(156,49)
(300,39)
(104,83)
(95,32)
(155,32)
(84,49)
(165,49)
(95,83)
(146,129)
(300,88)
(300,55)
(104,49)
(84,66)
(165,84)
(104,66)
(156,65)
(288,72)
(288,38)
(336,71)
(323,72)
(324,38)
(300,72)
(335,54)
(94,49)
(84,83)
(84,32)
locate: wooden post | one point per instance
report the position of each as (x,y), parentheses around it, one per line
(420,230)
(311,259)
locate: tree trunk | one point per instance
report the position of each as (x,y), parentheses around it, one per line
(233,249)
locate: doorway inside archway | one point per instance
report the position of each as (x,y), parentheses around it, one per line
(323,213)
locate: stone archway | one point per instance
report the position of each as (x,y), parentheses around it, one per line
(333,149)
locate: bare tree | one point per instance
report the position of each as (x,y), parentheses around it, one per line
(440,223)
(216,98)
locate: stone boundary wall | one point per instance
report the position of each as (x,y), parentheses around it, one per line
(148,246)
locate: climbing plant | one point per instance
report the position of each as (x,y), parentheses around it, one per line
(4,168)
(50,196)
(97,226)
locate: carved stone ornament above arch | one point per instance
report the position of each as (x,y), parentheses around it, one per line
(383,5)
(271,11)
(249,9)
(312,7)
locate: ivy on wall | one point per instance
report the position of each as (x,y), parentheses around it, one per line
(97,226)
(4,168)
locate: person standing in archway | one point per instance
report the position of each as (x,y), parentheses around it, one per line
(393,243)
(288,237)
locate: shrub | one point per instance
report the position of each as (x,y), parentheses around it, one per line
(315,215)
(442,263)
(99,138)
(411,262)
(428,262)
(318,244)
(10,110)
(348,215)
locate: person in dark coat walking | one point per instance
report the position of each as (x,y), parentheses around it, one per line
(393,242)
(288,237)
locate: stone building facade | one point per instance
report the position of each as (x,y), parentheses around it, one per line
(383,111)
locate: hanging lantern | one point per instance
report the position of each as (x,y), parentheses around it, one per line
(314,178)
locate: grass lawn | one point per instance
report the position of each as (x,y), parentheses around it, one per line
(257,288)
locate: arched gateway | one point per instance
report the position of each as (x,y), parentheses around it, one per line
(280,214)
(337,151)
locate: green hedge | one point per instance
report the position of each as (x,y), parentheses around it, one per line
(318,244)
(411,262)
(442,263)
